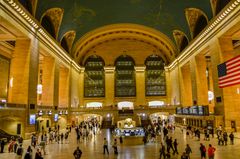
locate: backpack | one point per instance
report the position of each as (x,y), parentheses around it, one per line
(19,151)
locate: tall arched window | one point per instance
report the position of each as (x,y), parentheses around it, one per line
(125,85)
(183,44)
(94,77)
(48,25)
(64,44)
(155,76)
(200,25)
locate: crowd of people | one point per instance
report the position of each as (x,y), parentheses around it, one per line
(160,132)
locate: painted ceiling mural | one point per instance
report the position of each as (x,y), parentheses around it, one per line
(83,16)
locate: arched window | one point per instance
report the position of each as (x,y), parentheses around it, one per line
(64,44)
(47,24)
(200,25)
(125,85)
(94,77)
(155,76)
(184,43)
(220,5)
(27,5)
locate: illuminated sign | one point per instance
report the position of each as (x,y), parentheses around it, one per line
(32,119)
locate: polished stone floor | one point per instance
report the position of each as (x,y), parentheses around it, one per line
(92,149)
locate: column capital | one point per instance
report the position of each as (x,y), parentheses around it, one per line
(140,68)
(109,69)
(82,69)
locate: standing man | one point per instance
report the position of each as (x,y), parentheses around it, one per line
(202,151)
(231,136)
(188,150)
(77,153)
(211,152)
(19,152)
(162,151)
(105,146)
(2,145)
(115,146)
(175,144)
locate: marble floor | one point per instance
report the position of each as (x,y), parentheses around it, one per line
(93,149)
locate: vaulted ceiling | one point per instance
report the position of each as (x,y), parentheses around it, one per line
(177,21)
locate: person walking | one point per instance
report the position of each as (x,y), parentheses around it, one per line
(115,146)
(162,151)
(202,151)
(38,154)
(28,154)
(188,150)
(19,152)
(184,156)
(175,144)
(105,146)
(231,136)
(2,145)
(77,153)
(211,152)
(121,140)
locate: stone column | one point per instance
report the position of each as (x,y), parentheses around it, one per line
(48,67)
(168,86)
(19,72)
(74,88)
(56,85)
(140,85)
(186,85)
(192,64)
(32,83)
(24,78)
(64,87)
(109,85)
(201,79)
(81,87)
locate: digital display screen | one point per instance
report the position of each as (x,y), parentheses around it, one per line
(200,110)
(179,110)
(185,111)
(55,117)
(194,110)
(32,119)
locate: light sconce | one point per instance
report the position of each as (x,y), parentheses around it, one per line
(39,89)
